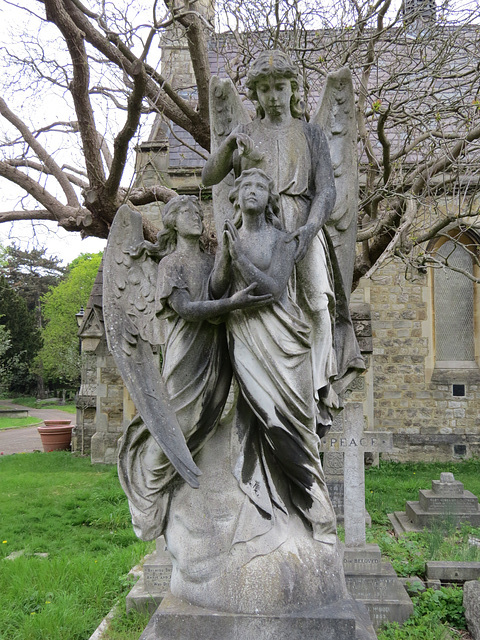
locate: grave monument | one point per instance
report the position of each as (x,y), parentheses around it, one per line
(369,579)
(446,502)
(257,347)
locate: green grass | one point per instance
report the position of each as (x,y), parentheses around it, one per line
(17,423)
(60,505)
(77,514)
(30,401)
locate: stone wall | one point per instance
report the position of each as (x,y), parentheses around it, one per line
(411,398)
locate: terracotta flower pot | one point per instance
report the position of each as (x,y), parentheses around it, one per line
(55,436)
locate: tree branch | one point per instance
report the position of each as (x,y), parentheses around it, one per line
(122,141)
(57,12)
(41,153)
(41,168)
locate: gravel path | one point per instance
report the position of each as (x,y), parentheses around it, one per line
(27,439)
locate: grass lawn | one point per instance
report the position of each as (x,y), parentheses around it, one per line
(61,505)
(76,514)
(30,401)
(17,423)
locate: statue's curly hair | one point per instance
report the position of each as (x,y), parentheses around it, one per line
(273,208)
(275,63)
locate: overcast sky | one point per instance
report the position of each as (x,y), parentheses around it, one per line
(63,244)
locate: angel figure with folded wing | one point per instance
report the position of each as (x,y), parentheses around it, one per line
(296,154)
(196,372)
(269,314)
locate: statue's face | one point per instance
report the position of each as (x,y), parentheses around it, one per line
(274,94)
(253,194)
(188,222)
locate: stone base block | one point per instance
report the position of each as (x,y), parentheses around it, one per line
(362,560)
(401,524)
(142,599)
(453,571)
(420,519)
(376,585)
(177,619)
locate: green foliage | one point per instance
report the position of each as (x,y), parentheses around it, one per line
(5,343)
(127,626)
(434,611)
(407,554)
(16,423)
(24,336)
(30,273)
(31,401)
(60,353)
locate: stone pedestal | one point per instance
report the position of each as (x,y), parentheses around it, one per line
(177,619)
(375,584)
(446,502)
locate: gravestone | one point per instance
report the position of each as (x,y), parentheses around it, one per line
(154,583)
(369,580)
(333,463)
(471,602)
(340,442)
(446,502)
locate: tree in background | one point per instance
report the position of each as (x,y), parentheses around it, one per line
(60,352)
(5,343)
(20,329)
(31,274)
(416,80)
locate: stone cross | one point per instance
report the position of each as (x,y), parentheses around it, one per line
(354,442)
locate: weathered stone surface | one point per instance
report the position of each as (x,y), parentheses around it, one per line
(154,582)
(471,602)
(447,502)
(452,571)
(248,523)
(376,585)
(362,560)
(176,619)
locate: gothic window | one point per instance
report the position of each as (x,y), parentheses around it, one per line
(454,299)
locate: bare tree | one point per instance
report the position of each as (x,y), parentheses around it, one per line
(98,62)
(417,83)
(416,78)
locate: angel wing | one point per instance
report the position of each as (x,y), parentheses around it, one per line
(226,112)
(336,116)
(128,306)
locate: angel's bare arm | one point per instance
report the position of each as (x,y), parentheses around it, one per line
(220,162)
(197,310)
(221,276)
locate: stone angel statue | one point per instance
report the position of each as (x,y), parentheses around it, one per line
(257,343)
(314,168)
(157,294)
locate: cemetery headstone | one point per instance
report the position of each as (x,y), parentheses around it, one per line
(447,502)
(369,580)
(154,583)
